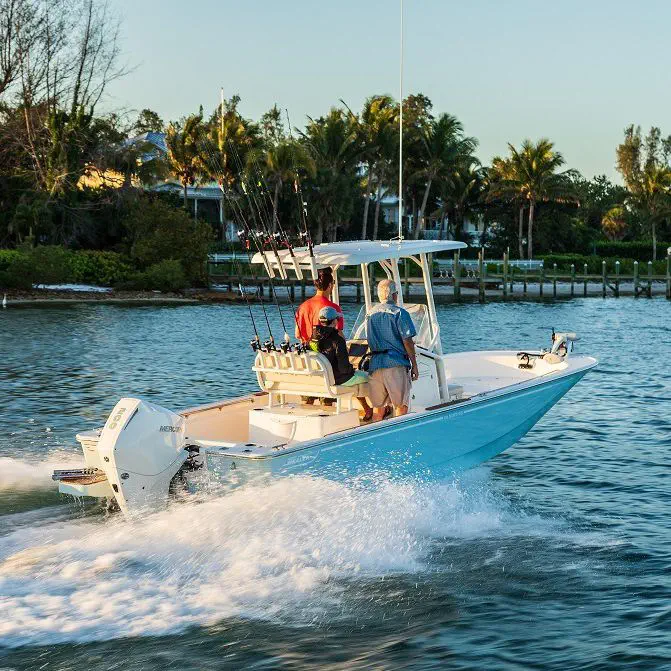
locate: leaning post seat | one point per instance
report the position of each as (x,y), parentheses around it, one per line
(306,374)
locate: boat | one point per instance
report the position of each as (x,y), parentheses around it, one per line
(465,408)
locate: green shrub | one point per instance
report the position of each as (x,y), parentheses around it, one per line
(164,276)
(7,256)
(158,232)
(16,271)
(638,251)
(100,268)
(167,275)
(51,265)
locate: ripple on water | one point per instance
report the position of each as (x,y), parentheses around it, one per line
(556,555)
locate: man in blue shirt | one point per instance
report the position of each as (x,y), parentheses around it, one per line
(393,365)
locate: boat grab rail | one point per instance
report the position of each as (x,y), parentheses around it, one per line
(301,374)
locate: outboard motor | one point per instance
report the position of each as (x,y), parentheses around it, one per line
(141,448)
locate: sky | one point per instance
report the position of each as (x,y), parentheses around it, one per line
(577,72)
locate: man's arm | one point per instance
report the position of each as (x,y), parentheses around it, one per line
(409,345)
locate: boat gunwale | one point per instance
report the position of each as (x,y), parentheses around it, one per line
(361,432)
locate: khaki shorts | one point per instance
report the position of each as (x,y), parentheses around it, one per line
(390,386)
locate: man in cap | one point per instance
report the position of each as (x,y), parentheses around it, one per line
(327,340)
(393,365)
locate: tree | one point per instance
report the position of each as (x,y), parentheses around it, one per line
(461,193)
(644,166)
(614,223)
(379,139)
(530,175)
(281,163)
(443,148)
(148,122)
(333,144)
(184,140)
(157,232)
(272,126)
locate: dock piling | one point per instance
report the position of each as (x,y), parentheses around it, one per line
(554,281)
(668,275)
(604,278)
(481,275)
(649,279)
(636,281)
(584,288)
(542,280)
(505,274)
(617,279)
(572,280)
(457,276)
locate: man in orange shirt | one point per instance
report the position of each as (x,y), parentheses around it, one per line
(307,316)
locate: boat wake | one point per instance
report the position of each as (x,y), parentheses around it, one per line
(27,475)
(286,551)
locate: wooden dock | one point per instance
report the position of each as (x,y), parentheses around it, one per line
(470,280)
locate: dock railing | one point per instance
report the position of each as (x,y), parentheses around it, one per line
(481,278)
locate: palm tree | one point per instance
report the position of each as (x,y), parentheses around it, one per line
(531,174)
(461,193)
(333,144)
(654,198)
(443,147)
(379,131)
(614,223)
(280,164)
(503,184)
(185,158)
(227,149)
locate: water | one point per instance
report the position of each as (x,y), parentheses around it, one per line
(555,555)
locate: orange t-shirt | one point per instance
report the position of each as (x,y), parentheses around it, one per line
(307,316)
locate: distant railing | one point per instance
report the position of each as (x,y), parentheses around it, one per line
(484,278)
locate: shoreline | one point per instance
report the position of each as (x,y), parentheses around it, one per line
(44,297)
(39,297)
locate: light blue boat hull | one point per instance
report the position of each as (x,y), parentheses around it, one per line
(428,445)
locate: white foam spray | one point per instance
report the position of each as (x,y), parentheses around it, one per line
(280,551)
(26,474)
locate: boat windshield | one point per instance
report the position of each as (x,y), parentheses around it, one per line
(420,318)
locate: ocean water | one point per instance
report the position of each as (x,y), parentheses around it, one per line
(554,555)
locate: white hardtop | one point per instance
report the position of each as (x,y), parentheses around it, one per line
(357,252)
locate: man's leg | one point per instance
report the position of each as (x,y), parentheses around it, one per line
(397,381)
(378,393)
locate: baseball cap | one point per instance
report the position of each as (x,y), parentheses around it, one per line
(328,314)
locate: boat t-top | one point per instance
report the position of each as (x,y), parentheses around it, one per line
(465,408)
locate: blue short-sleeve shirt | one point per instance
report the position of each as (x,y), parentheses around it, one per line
(388,326)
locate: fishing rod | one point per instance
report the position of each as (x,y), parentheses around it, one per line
(302,209)
(240,219)
(281,233)
(251,195)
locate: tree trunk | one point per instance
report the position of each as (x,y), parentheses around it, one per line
(654,240)
(186,204)
(377,213)
(421,223)
(530,241)
(366,206)
(520,233)
(276,199)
